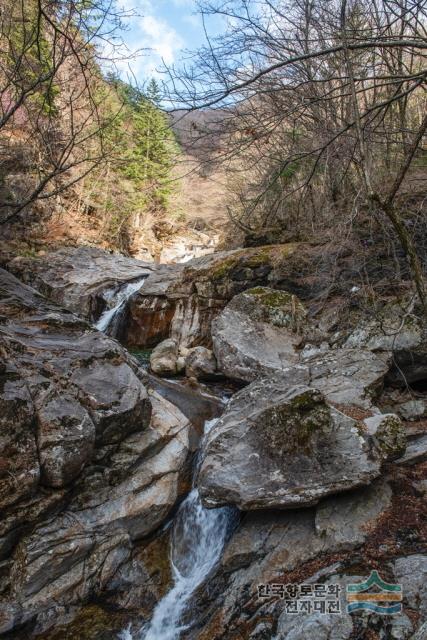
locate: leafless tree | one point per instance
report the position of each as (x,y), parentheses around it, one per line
(324,104)
(50,95)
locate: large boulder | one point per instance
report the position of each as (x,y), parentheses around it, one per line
(258,333)
(79,278)
(279,447)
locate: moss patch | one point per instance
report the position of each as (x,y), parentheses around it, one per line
(290,427)
(271,297)
(223,269)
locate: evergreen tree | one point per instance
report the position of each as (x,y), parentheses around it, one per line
(153,92)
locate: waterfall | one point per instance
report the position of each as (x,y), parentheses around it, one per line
(109,320)
(197,540)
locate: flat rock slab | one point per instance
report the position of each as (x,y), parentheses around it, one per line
(279,448)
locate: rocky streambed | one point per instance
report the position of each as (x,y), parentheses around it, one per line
(117,522)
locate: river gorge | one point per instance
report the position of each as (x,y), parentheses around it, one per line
(185,435)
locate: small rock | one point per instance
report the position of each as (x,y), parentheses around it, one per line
(412,410)
(200,363)
(164,358)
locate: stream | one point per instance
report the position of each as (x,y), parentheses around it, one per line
(198,534)
(197,540)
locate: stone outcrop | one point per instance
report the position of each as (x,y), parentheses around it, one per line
(93,538)
(79,277)
(71,387)
(326,545)
(177,301)
(259,334)
(180,301)
(277,447)
(89,462)
(96,455)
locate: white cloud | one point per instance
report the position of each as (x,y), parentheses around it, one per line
(160,38)
(193,20)
(149,41)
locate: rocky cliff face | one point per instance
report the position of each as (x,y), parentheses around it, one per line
(90,462)
(79,277)
(177,301)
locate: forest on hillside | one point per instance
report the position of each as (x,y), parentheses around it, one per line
(313,111)
(73,135)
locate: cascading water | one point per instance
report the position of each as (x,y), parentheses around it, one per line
(109,321)
(197,541)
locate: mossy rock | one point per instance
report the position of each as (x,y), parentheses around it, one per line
(291,428)
(389,435)
(272,255)
(279,308)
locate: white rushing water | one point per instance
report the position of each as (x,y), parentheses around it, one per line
(117,300)
(197,541)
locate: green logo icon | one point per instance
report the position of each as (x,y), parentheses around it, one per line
(376,595)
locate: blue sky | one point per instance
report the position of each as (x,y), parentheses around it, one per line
(164,28)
